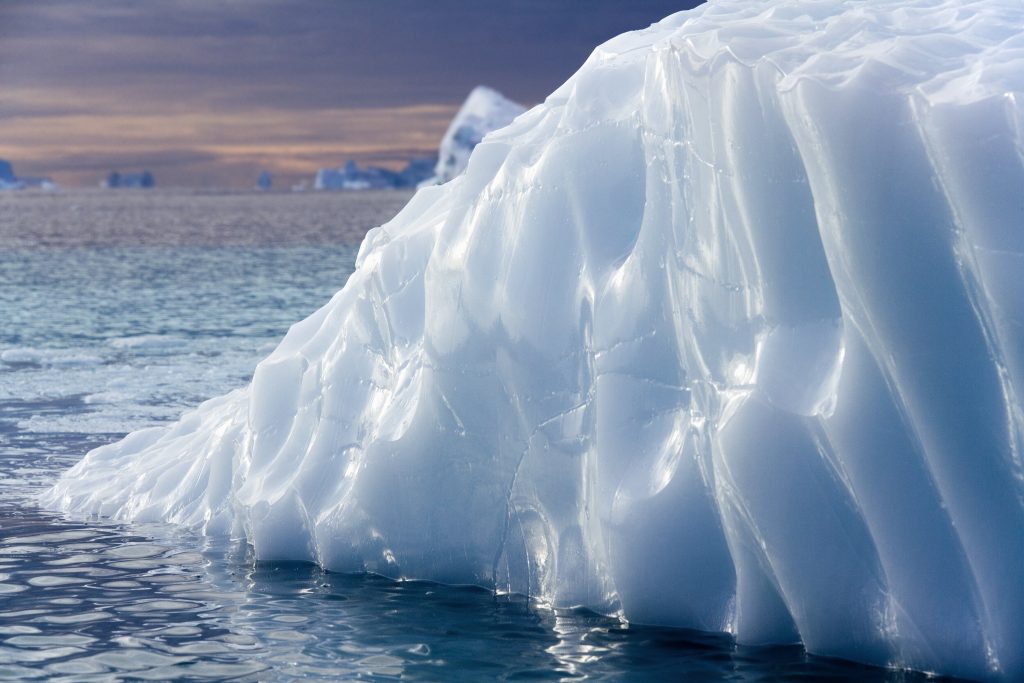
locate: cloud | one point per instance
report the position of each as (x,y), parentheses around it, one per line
(275,75)
(78,148)
(102,162)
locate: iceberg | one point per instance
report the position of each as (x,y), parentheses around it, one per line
(726,334)
(353,177)
(9,181)
(265,181)
(484,110)
(7,178)
(116,179)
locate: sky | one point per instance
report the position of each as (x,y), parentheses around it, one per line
(207,93)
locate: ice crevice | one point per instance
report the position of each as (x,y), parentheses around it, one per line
(726,334)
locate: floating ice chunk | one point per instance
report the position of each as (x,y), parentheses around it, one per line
(726,334)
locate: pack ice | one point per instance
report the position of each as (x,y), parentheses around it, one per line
(727,334)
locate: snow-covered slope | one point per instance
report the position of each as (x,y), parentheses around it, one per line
(484,110)
(726,334)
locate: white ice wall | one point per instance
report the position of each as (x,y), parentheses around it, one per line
(726,334)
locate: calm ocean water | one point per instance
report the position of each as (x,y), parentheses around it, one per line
(119,310)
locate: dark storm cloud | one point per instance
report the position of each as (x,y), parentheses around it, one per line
(217,57)
(311,52)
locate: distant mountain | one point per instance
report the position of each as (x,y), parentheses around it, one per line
(484,110)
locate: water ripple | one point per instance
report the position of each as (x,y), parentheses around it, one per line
(90,600)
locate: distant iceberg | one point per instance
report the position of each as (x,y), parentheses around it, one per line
(265,181)
(9,181)
(352,176)
(118,180)
(7,177)
(483,111)
(727,334)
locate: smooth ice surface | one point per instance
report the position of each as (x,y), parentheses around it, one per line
(485,110)
(726,334)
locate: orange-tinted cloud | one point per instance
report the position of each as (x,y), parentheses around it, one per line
(211,92)
(225,148)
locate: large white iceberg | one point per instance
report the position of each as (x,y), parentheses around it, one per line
(727,334)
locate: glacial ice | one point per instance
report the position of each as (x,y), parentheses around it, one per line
(727,334)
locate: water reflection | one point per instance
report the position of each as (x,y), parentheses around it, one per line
(96,600)
(93,601)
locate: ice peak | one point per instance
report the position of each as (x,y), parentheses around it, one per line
(484,110)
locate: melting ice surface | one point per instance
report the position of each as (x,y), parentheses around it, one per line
(726,334)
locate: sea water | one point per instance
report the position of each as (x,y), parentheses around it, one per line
(119,310)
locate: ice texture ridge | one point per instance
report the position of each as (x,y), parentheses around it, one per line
(728,334)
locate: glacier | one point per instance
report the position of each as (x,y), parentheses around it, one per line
(726,334)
